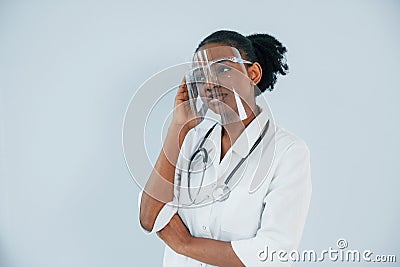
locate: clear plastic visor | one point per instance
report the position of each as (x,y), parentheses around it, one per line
(218,85)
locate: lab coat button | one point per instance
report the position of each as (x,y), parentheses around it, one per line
(204,227)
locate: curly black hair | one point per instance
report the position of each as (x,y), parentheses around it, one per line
(262,48)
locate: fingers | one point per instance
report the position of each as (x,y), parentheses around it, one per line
(182,93)
(182,87)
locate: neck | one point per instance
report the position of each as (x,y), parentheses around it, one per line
(233,130)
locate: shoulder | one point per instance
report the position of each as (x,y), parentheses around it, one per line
(286,140)
(292,159)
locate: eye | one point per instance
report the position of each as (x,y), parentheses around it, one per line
(199,78)
(223,69)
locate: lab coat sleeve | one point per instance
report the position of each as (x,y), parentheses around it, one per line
(163,217)
(286,206)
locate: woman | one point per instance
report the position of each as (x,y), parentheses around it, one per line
(236,229)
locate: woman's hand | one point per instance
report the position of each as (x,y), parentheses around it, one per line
(183,115)
(176,235)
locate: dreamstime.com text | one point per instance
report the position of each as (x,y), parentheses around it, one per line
(331,254)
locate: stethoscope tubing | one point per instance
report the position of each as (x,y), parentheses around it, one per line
(204,154)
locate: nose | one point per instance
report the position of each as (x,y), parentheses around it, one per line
(212,90)
(212,87)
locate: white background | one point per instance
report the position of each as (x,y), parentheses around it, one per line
(69,68)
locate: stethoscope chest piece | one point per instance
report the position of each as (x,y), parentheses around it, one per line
(221,192)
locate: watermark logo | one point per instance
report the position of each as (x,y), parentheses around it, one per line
(341,253)
(342,243)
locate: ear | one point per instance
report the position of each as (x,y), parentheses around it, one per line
(255,72)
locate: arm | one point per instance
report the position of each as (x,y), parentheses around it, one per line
(212,251)
(282,220)
(159,188)
(207,250)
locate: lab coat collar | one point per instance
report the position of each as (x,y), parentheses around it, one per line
(250,134)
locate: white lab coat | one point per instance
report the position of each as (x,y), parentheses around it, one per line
(269,201)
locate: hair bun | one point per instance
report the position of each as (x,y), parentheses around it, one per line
(270,54)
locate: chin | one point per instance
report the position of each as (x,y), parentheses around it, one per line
(220,107)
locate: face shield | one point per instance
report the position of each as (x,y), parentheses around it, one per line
(219,87)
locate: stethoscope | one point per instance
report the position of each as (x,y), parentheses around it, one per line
(220,192)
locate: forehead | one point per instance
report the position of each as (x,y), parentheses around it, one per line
(210,52)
